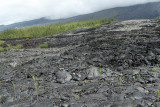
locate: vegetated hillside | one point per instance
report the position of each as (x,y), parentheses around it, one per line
(141,11)
(47,30)
(111,65)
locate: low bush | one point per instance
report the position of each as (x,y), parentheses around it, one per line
(158,17)
(2,42)
(44,45)
(9,47)
(1,49)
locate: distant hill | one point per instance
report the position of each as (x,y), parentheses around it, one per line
(140,11)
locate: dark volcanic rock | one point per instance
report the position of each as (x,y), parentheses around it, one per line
(111,65)
(63,76)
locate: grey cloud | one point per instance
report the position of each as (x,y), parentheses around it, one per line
(19,10)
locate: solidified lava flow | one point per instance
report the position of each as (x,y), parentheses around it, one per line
(112,65)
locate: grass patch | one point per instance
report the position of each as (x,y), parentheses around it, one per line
(158,17)
(44,45)
(1,49)
(9,47)
(46,30)
(18,46)
(2,42)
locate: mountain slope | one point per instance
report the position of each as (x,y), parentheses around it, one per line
(141,11)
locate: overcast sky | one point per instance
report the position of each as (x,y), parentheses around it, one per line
(12,11)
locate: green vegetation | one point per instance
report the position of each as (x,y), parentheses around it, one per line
(0,97)
(9,47)
(155,68)
(14,86)
(158,93)
(46,30)
(35,83)
(2,42)
(77,96)
(80,61)
(18,46)
(44,45)
(85,82)
(120,79)
(100,71)
(158,17)
(1,49)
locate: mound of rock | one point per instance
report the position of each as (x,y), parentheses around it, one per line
(113,65)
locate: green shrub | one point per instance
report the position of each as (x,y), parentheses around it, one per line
(2,42)
(47,30)
(158,17)
(9,47)
(18,46)
(44,45)
(1,49)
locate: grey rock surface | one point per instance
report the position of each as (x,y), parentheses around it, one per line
(63,76)
(113,65)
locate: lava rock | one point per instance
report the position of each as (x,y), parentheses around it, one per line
(63,76)
(13,64)
(94,72)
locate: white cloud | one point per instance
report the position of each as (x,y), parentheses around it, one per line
(12,11)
